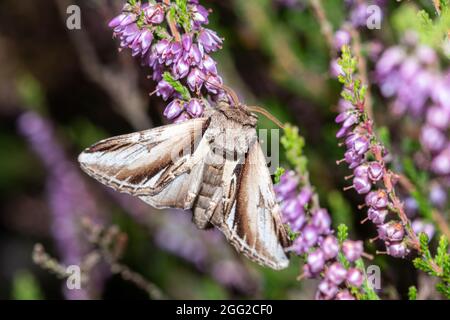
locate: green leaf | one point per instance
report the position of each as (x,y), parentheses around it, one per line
(31,93)
(425,19)
(181,15)
(342,233)
(343,260)
(444,5)
(431,32)
(294,143)
(278,173)
(177,86)
(422,265)
(25,287)
(423,239)
(444,288)
(141,20)
(442,257)
(412,293)
(161,32)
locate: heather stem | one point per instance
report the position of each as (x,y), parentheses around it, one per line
(397,204)
(362,67)
(325,25)
(172,23)
(388,177)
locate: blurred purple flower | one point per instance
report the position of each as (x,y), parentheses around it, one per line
(68,197)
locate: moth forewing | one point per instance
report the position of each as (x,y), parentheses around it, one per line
(195,136)
(132,163)
(256,228)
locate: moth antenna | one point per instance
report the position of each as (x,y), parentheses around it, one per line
(232,94)
(227,89)
(237,103)
(266,114)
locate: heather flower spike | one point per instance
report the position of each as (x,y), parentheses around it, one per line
(314,237)
(179,48)
(371,178)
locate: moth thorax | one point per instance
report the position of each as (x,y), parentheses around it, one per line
(238,114)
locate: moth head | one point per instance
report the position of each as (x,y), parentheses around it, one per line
(239,113)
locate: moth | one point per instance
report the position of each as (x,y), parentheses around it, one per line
(213,165)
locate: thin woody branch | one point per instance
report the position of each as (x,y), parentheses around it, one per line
(172,24)
(325,26)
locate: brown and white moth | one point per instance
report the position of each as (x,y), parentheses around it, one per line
(213,165)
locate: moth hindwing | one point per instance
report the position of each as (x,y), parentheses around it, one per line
(212,165)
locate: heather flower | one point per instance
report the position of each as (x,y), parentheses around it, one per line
(361,185)
(174,109)
(68,197)
(213,83)
(209,40)
(361,144)
(195,79)
(330,247)
(298,222)
(164,89)
(344,295)
(316,261)
(315,238)
(438,117)
(341,38)
(392,231)
(199,15)
(335,69)
(181,118)
(375,171)
(336,273)
(377,216)
(154,14)
(437,195)
(397,249)
(292,209)
(352,249)
(355,277)
(327,290)
(195,108)
(321,221)
(377,199)
(409,76)
(420,226)
(310,235)
(441,163)
(432,138)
